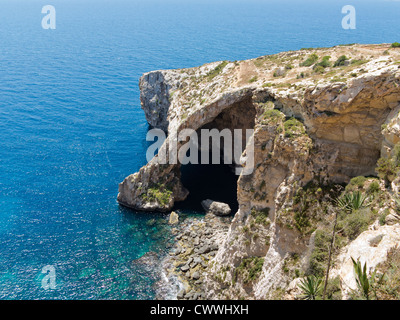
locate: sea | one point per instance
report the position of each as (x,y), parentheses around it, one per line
(72,128)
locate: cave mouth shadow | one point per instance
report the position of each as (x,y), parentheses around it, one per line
(217,182)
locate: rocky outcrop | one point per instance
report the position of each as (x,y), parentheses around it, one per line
(370,247)
(156,89)
(328,125)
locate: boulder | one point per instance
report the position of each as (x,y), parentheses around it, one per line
(217,208)
(173,218)
(196,275)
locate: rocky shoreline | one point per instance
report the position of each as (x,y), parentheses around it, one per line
(196,243)
(321,117)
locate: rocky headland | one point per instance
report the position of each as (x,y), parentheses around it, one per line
(326,129)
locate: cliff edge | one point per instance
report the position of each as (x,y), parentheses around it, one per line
(320,117)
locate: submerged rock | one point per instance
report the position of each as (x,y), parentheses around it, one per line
(147,263)
(217,208)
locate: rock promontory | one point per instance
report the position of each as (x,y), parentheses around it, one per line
(321,117)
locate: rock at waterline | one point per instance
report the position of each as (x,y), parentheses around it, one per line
(217,208)
(173,218)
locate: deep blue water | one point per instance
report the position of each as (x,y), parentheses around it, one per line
(71,127)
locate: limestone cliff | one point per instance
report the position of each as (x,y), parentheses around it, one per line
(323,115)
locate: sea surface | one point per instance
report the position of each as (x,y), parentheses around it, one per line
(71,126)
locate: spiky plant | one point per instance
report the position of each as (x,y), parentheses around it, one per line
(362,280)
(351,201)
(366,285)
(311,288)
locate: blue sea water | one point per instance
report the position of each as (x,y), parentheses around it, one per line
(71,127)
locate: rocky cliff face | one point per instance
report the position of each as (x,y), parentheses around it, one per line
(312,121)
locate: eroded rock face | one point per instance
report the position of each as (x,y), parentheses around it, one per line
(156,89)
(370,247)
(345,120)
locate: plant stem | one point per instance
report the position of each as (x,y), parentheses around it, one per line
(330,254)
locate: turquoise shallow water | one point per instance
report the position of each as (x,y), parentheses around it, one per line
(71,127)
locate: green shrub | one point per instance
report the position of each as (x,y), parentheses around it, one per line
(389,288)
(272,116)
(261,216)
(373,187)
(254,79)
(356,183)
(357,222)
(301,75)
(159,193)
(333,289)
(249,269)
(324,63)
(395,45)
(293,128)
(358,62)
(218,69)
(318,69)
(341,61)
(319,255)
(386,169)
(313,58)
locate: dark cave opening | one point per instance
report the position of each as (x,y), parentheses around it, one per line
(218,182)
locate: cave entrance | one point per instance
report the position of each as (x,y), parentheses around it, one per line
(217,182)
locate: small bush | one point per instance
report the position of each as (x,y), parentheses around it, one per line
(333,289)
(313,58)
(159,193)
(358,62)
(218,69)
(293,128)
(254,79)
(272,116)
(395,45)
(261,216)
(341,61)
(356,183)
(386,169)
(325,63)
(373,187)
(357,222)
(389,289)
(319,255)
(318,69)
(249,269)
